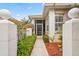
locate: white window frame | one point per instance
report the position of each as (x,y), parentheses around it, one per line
(58,22)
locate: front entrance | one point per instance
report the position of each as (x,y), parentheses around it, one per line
(39,29)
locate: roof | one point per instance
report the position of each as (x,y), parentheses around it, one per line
(49,6)
(36,17)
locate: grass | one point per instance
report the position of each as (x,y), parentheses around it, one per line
(25,45)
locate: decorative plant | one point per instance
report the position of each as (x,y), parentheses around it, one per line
(51,40)
(25,45)
(60,43)
(46,38)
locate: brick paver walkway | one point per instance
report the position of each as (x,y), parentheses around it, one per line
(39,48)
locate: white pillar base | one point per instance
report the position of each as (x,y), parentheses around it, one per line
(71,38)
(8,38)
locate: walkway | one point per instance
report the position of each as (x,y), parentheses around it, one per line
(39,48)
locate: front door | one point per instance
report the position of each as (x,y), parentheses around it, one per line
(39,29)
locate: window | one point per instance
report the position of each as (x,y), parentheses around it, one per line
(58,18)
(58,22)
(58,26)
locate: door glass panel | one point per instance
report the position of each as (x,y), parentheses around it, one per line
(39,29)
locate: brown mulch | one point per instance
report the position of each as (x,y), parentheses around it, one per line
(53,49)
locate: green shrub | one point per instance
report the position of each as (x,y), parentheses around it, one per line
(45,38)
(25,45)
(60,37)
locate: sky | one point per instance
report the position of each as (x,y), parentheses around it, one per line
(21,10)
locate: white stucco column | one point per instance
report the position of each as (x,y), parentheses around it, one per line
(51,20)
(46,26)
(71,34)
(33,22)
(8,36)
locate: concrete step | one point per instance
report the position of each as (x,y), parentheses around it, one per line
(39,37)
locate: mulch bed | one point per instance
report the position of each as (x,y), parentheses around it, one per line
(53,49)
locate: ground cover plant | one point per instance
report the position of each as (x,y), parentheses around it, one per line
(25,45)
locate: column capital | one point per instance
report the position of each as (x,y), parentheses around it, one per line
(73,13)
(5,14)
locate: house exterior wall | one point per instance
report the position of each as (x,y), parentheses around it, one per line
(29,32)
(50,21)
(65,17)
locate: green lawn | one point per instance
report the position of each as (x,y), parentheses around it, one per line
(25,45)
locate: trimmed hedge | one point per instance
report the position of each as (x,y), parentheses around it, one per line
(45,38)
(25,45)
